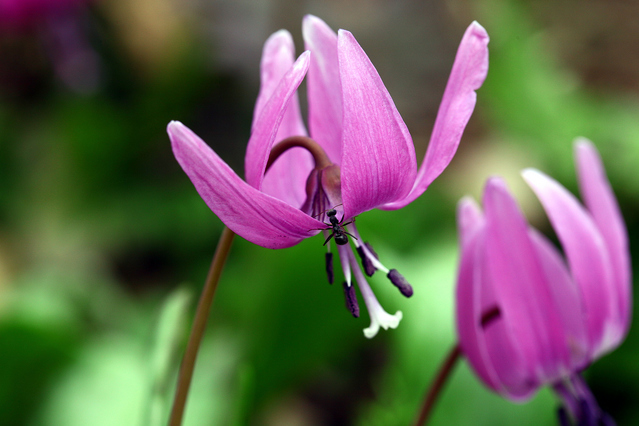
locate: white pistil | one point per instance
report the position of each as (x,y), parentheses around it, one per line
(379,317)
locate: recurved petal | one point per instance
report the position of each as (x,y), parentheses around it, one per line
(278,56)
(468,74)
(521,288)
(255,216)
(602,205)
(378,157)
(567,300)
(286,179)
(267,124)
(587,256)
(468,306)
(324,87)
(469,219)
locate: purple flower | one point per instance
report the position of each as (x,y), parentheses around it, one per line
(23,14)
(360,157)
(525,316)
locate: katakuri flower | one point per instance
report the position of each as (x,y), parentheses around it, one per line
(526,317)
(360,155)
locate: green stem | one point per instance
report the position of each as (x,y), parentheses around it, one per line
(437,385)
(199,324)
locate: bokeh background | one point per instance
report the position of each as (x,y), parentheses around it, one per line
(105,244)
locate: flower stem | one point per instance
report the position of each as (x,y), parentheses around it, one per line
(438,384)
(199,324)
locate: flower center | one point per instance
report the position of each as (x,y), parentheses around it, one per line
(323,186)
(323,201)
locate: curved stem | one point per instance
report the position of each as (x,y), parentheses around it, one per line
(438,384)
(199,324)
(318,153)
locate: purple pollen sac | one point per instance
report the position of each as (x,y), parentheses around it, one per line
(329,268)
(490,316)
(370,249)
(368,266)
(400,282)
(564,419)
(351,299)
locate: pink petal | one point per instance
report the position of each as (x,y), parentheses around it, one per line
(324,87)
(469,219)
(266,126)
(602,205)
(566,299)
(521,288)
(258,217)
(586,252)
(488,347)
(468,74)
(469,328)
(378,157)
(286,179)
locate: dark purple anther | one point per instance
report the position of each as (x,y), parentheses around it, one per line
(329,268)
(400,282)
(370,249)
(490,315)
(351,299)
(588,413)
(368,266)
(564,419)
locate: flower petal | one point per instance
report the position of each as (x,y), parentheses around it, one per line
(324,87)
(468,74)
(469,219)
(255,216)
(521,288)
(266,126)
(286,179)
(468,316)
(602,205)
(567,299)
(587,256)
(378,156)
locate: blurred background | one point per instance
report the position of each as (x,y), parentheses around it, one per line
(105,244)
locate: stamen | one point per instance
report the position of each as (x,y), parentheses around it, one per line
(351,299)
(489,316)
(564,419)
(368,266)
(366,253)
(329,267)
(587,413)
(379,317)
(370,249)
(400,282)
(346,266)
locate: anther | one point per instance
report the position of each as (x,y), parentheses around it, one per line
(368,266)
(400,282)
(370,249)
(329,267)
(351,299)
(367,263)
(490,315)
(564,419)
